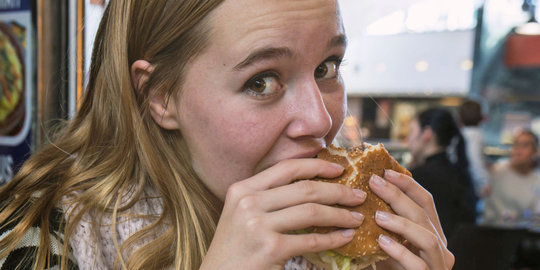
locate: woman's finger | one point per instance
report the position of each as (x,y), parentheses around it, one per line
(418,194)
(298,244)
(312,214)
(307,191)
(283,173)
(401,254)
(288,171)
(403,204)
(425,240)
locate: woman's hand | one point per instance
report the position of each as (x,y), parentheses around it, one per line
(416,220)
(260,212)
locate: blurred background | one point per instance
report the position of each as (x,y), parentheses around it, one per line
(407,56)
(403,57)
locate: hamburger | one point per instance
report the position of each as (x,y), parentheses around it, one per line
(360,163)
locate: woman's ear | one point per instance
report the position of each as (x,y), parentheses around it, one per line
(140,73)
(427,134)
(162,109)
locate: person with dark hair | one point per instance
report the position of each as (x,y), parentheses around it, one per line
(470,113)
(471,116)
(433,135)
(515,183)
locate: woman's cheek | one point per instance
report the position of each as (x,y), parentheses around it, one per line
(337,107)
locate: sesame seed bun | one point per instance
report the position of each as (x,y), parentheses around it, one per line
(360,163)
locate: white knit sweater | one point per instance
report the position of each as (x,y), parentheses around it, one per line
(95,249)
(96,252)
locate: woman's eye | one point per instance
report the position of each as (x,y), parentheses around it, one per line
(328,69)
(263,85)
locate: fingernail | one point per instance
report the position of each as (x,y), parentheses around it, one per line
(347,233)
(357,216)
(385,240)
(391,174)
(383,216)
(359,193)
(337,166)
(377,180)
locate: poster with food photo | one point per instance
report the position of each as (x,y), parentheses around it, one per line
(16,86)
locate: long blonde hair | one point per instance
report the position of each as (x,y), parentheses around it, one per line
(113,147)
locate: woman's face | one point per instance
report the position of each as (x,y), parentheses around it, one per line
(415,144)
(266,89)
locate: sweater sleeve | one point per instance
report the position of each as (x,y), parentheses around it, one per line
(23,255)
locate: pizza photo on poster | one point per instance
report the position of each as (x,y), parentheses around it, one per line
(16,85)
(12,81)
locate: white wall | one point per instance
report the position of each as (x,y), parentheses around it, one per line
(388,65)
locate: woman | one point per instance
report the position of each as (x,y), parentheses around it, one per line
(198,120)
(433,136)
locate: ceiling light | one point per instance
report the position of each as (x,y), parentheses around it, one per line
(466,65)
(380,67)
(421,66)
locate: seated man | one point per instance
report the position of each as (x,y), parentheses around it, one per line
(515,183)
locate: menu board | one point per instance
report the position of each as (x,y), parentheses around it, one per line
(16,85)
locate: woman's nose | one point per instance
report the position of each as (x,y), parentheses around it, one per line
(310,116)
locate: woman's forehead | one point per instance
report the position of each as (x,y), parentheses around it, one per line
(241,26)
(243,9)
(247,16)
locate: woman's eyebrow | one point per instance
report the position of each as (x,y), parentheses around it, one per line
(264,54)
(337,41)
(279,52)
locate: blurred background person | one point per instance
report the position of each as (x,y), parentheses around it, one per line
(471,117)
(515,183)
(431,136)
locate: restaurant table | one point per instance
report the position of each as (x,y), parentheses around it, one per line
(495,247)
